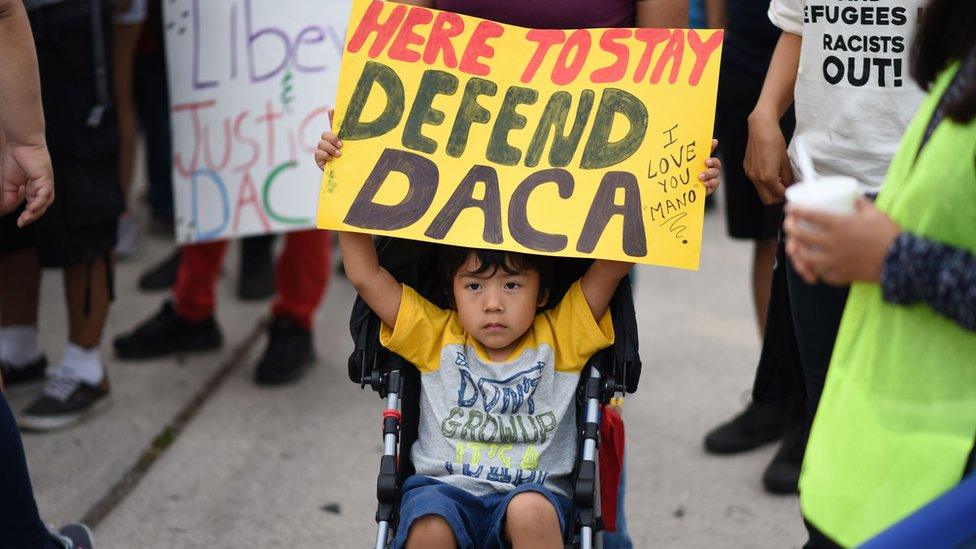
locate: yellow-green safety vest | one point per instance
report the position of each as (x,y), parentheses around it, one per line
(897,419)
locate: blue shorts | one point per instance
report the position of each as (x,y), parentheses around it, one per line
(477,521)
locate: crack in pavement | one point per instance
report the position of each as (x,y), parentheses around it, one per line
(170,432)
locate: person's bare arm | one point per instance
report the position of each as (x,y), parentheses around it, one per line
(662,14)
(767,163)
(600,282)
(20,109)
(716,14)
(375,284)
(25,163)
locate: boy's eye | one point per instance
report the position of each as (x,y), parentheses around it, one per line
(473,286)
(512,285)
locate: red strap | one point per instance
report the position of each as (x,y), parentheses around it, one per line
(611,464)
(395,414)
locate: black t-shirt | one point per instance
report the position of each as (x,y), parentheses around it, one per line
(749,36)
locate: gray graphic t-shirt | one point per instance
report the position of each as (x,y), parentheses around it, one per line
(487,426)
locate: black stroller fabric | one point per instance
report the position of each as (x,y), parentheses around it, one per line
(415,264)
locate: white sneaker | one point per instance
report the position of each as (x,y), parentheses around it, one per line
(129,238)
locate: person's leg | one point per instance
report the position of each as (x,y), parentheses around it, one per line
(256,279)
(817,310)
(747,218)
(431,531)
(86,289)
(302,275)
(21,359)
(151,94)
(126,37)
(763,254)
(301,279)
(779,380)
(189,325)
(20,525)
(77,385)
(196,279)
(435,514)
(817,539)
(531,520)
(162,275)
(78,233)
(20,281)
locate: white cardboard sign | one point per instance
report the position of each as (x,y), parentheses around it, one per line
(251,82)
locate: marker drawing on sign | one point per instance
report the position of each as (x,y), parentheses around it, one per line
(251,84)
(582,143)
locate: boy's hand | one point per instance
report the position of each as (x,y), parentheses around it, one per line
(328,149)
(712,170)
(329,145)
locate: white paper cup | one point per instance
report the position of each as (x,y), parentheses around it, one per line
(835,194)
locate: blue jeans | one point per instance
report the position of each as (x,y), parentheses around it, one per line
(20,525)
(477,521)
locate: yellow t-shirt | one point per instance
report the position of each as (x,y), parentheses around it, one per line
(487,426)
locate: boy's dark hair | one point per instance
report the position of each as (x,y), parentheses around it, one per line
(946,35)
(451,258)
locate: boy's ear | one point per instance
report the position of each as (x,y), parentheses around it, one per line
(544,298)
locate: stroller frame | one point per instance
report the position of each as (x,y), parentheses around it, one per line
(389,375)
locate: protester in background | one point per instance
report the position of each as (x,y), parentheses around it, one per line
(749,42)
(150,89)
(188,324)
(150,95)
(897,421)
(25,172)
(25,165)
(845,78)
(706,14)
(73,41)
(129,17)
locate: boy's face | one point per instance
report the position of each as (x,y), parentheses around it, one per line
(498,309)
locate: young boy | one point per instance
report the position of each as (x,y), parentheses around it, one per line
(497,432)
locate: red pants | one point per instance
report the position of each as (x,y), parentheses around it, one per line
(301,276)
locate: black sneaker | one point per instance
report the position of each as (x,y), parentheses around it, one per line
(32,372)
(782,475)
(257,268)
(288,355)
(64,400)
(166,333)
(161,276)
(758,424)
(74,535)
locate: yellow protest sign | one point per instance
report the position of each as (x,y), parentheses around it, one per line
(584,143)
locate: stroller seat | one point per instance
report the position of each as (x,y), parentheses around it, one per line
(610,372)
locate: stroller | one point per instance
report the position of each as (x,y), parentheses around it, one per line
(608,373)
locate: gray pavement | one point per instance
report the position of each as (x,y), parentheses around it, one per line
(295,466)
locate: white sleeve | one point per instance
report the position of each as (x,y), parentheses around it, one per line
(787,15)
